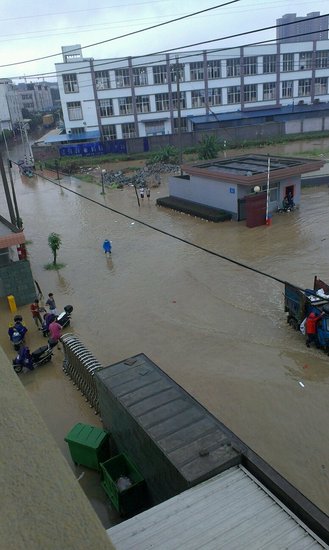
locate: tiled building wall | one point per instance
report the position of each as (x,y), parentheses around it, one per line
(16,279)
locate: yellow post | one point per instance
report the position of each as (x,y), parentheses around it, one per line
(12,303)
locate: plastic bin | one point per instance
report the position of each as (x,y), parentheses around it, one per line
(130,500)
(88,445)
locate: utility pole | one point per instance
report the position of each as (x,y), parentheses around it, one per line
(179,125)
(18,219)
(7,192)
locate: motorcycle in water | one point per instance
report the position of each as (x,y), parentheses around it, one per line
(63,319)
(17,332)
(30,360)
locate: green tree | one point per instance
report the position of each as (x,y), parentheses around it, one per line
(167,154)
(209,147)
(54,242)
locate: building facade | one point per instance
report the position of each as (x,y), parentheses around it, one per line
(136,97)
(10,112)
(35,97)
(296,28)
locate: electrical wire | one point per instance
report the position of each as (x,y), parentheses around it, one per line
(74,50)
(163,232)
(170,50)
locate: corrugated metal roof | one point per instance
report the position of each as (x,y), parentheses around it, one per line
(229,511)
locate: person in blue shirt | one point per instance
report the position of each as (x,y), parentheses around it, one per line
(107,246)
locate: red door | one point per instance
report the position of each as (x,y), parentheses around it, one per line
(256,209)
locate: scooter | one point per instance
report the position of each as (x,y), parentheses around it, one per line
(63,319)
(32,360)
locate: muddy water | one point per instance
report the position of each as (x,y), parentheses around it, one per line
(219,330)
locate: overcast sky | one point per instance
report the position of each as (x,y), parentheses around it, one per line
(31,29)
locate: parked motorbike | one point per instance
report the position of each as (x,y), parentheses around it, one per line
(63,319)
(32,360)
(17,332)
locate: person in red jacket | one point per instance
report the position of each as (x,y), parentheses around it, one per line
(311,328)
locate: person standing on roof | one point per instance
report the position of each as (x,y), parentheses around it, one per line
(311,328)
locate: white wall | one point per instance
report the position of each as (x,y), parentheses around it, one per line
(216,194)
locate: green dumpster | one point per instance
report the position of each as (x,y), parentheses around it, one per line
(123,484)
(88,445)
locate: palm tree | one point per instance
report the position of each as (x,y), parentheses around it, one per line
(54,242)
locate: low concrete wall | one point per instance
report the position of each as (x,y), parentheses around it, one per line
(16,278)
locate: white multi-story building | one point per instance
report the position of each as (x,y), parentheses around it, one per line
(10,112)
(35,96)
(136,97)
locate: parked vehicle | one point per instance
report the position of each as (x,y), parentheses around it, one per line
(32,360)
(17,332)
(300,303)
(63,319)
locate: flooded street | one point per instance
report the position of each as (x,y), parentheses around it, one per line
(217,329)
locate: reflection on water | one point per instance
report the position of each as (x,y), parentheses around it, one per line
(217,329)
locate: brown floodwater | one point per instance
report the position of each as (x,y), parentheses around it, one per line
(218,329)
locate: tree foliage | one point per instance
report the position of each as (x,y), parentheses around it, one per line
(209,147)
(167,155)
(54,242)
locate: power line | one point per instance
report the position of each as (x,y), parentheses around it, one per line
(74,50)
(189,54)
(166,233)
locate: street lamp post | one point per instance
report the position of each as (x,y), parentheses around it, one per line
(103,175)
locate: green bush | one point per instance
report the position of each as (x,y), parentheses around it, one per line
(168,155)
(209,147)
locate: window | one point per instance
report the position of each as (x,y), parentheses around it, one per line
(321,85)
(154,128)
(250,93)
(233,94)
(213,69)
(160,75)
(140,76)
(182,100)
(122,78)
(269,89)
(322,59)
(287,88)
(102,79)
(143,104)
(304,87)
(196,71)
(233,67)
(198,98)
(109,132)
(162,102)
(125,105)
(288,62)
(177,69)
(214,96)
(305,60)
(250,65)
(269,63)
(128,130)
(105,107)
(78,131)
(274,195)
(74,110)
(183,125)
(70,82)
(26,96)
